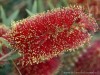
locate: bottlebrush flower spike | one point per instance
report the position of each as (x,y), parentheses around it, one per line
(90,60)
(49,67)
(46,35)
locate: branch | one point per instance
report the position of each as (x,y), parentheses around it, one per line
(7,55)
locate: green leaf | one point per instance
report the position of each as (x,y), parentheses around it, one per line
(13,16)
(50,5)
(5,42)
(34,7)
(1,49)
(59,4)
(6,68)
(65,2)
(3,15)
(40,5)
(29,12)
(29,4)
(14,56)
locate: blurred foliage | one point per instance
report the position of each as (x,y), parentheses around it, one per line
(6,68)
(39,6)
(5,20)
(9,10)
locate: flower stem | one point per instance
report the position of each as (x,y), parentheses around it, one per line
(6,56)
(16,68)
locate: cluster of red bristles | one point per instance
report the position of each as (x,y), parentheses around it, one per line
(41,37)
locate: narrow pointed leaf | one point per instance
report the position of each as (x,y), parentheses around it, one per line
(13,16)
(59,4)
(3,15)
(65,2)
(50,5)
(1,49)
(40,6)
(34,7)
(29,12)
(5,42)
(14,56)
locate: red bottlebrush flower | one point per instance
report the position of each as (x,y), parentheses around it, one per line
(49,67)
(90,60)
(46,35)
